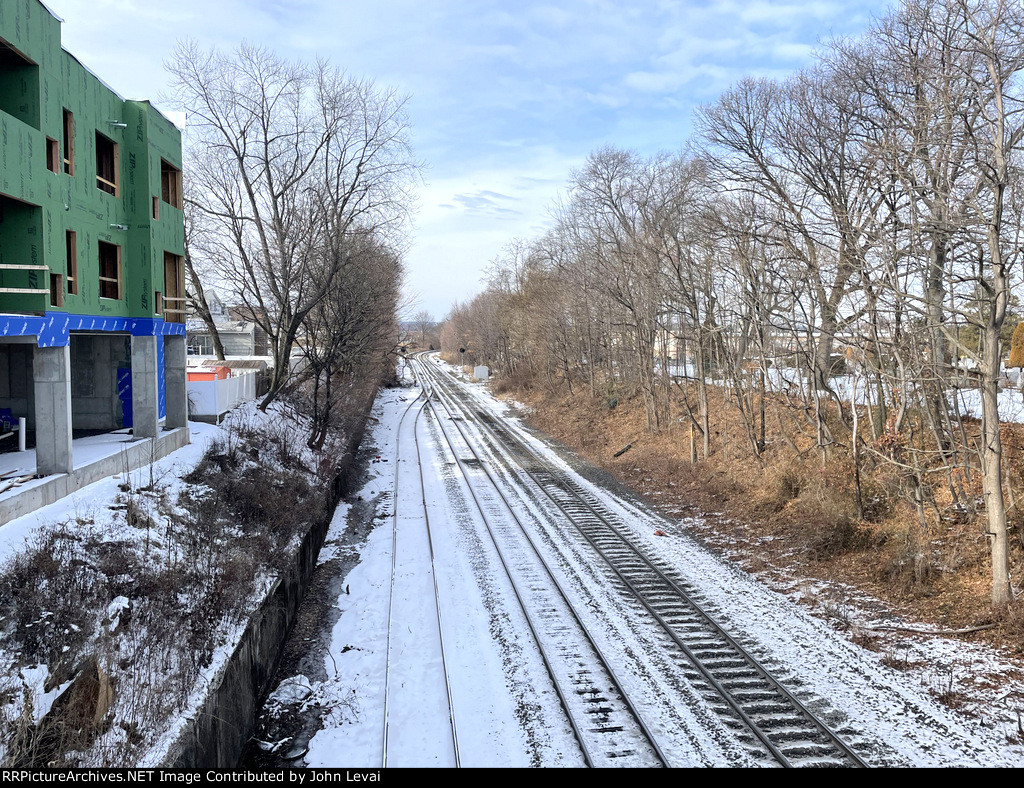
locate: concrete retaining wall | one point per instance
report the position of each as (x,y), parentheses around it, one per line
(216,737)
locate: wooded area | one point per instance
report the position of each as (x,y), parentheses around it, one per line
(835,253)
(297,195)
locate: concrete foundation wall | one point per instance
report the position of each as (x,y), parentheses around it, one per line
(95,404)
(54,488)
(146,368)
(175,381)
(51,375)
(16,390)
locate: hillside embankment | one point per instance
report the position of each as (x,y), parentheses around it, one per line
(791,516)
(143,624)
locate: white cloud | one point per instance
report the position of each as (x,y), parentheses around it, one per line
(553,16)
(505,99)
(468,218)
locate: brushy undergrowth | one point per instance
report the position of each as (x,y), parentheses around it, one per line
(918,546)
(149,589)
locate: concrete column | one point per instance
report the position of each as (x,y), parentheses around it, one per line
(176,394)
(145,391)
(51,372)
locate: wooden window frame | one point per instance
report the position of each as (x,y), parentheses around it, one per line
(71,253)
(56,290)
(170,184)
(156,209)
(173,303)
(110,281)
(53,155)
(111,187)
(69,142)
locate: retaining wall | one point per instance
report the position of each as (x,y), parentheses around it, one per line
(216,737)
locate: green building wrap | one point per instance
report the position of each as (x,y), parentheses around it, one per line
(91,246)
(90,185)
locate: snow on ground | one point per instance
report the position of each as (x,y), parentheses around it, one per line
(966,401)
(889,706)
(505,711)
(91,513)
(137,518)
(1011,404)
(896,709)
(85,450)
(93,501)
(353,689)
(499,720)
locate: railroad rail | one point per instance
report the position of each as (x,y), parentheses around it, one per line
(607,726)
(766,717)
(418,404)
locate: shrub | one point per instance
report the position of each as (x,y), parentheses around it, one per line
(190,568)
(780,484)
(908,566)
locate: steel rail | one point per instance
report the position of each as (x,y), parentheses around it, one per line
(433,575)
(569,487)
(605,663)
(587,758)
(391,587)
(437,603)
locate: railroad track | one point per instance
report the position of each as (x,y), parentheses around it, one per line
(607,726)
(410,530)
(767,718)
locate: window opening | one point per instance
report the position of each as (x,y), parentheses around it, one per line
(69,143)
(52,155)
(107,165)
(110,271)
(170,184)
(56,290)
(71,252)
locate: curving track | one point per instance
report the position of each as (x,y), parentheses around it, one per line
(419,728)
(773,724)
(607,727)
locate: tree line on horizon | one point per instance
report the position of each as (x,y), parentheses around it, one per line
(844,243)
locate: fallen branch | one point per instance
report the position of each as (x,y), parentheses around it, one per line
(623,450)
(919,631)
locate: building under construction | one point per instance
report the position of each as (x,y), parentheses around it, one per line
(92,301)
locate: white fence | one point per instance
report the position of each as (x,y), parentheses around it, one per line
(211,399)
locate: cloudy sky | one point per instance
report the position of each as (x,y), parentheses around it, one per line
(505,98)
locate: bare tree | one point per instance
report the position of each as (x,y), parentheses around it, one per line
(423,321)
(198,265)
(842,252)
(994,39)
(352,333)
(293,158)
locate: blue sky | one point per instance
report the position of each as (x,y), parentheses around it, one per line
(505,98)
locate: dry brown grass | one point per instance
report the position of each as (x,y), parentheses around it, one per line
(189,574)
(807,506)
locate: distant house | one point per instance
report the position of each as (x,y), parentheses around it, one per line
(238,335)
